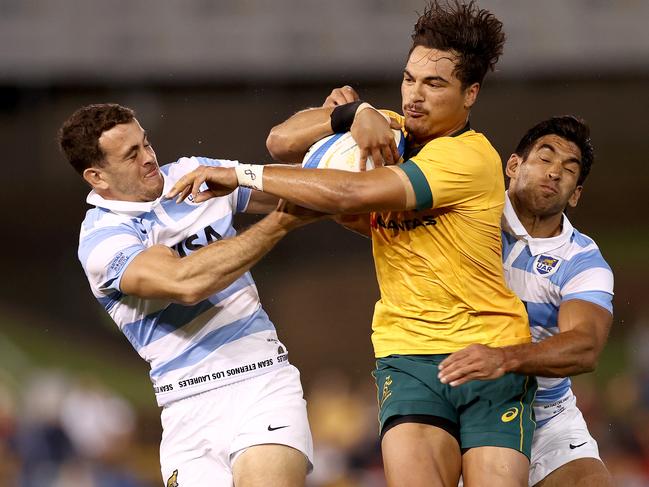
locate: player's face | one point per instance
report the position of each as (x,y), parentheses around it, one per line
(546,181)
(130,171)
(433,100)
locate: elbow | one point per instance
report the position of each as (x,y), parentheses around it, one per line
(188,298)
(586,363)
(188,291)
(280,146)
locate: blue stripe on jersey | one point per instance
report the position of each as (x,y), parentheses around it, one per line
(543,422)
(401,148)
(206,161)
(243,198)
(542,314)
(109,301)
(159,324)
(177,211)
(522,261)
(96,237)
(601,298)
(580,239)
(314,160)
(92,217)
(544,396)
(578,264)
(508,244)
(197,351)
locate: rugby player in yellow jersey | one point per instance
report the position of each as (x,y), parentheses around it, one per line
(435,227)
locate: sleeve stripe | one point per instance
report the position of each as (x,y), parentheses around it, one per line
(423,193)
(600,298)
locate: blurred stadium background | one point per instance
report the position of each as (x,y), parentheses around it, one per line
(210,78)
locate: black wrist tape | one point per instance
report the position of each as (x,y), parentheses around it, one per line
(343,116)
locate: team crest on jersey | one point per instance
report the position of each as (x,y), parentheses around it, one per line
(545,265)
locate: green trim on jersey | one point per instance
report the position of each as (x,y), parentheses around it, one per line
(419,183)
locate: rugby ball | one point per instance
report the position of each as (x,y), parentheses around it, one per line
(339,151)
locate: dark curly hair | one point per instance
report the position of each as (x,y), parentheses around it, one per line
(568,127)
(79,135)
(474,34)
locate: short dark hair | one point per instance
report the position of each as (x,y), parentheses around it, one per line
(79,135)
(568,127)
(474,34)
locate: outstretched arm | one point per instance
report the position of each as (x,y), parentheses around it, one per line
(326,190)
(160,273)
(583,326)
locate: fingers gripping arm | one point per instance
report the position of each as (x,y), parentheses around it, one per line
(583,326)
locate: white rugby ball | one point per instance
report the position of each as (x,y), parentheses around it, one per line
(339,151)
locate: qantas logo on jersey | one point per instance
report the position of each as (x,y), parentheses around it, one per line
(196,241)
(545,265)
(406,224)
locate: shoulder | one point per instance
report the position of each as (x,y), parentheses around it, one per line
(468,149)
(582,251)
(585,268)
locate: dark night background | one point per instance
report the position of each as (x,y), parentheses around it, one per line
(196,93)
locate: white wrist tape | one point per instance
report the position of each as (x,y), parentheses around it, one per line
(362,107)
(250,176)
(365,105)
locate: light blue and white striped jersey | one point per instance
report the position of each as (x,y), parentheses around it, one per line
(545,272)
(223,339)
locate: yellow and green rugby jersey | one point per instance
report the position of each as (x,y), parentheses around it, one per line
(439,267)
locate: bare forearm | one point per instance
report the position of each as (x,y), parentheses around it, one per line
(289,141)
(323,190)
(562,355)
(216,266)
(336,192)
(159,273)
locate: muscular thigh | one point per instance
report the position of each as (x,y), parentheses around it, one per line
(270,466)
(583,472)
(420,455)
(494,466)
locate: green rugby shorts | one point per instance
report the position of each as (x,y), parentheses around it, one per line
(486,413)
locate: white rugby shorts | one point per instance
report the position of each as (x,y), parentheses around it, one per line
(561,440)
(204,434)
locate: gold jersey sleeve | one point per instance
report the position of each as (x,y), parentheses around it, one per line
(439,267)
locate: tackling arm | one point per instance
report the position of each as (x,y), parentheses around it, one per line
(159,273)
(583,326)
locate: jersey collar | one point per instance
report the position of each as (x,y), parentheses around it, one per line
(412,151)
(129,208)
(513,226)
